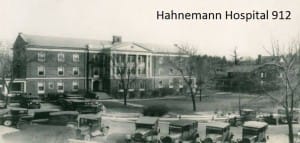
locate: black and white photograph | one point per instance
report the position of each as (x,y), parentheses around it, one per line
(160,71)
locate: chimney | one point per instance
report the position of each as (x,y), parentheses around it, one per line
(116,39)
(259,60)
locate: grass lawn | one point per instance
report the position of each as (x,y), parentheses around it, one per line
(213,102)
(119,107)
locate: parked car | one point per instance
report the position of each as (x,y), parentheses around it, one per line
(246,115)
(218,133)
(146,130)
(90,126)
(30,102)
(280,117)
(2,104)
(68,118)
(37,116)
(83,106)
(254,132)
(10,117)
(182,131)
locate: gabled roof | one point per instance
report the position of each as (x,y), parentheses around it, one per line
(158,48)
(64,42)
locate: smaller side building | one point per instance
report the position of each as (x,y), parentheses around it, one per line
(250,78)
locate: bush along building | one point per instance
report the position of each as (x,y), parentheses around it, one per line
(47,65)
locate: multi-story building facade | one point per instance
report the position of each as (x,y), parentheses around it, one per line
(55,64)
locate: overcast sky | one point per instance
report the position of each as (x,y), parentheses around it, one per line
(135,20)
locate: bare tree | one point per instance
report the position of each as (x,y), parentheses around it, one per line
(289,70)
(6,72)
(184,63)
(126,71)
(236,57)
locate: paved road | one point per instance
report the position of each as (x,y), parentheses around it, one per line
(118,130)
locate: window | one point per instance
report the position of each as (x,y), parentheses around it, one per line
(171,83)
(41,56)
(121,87)
(75,86)
(160,60)
(41,88)
(75,57)
(142,85)
(60,57)
(75,70)
(51,85)
(159,71)
(60,87)
(180,84)
(60,70)
(41,70)
(160,84)
(96,72)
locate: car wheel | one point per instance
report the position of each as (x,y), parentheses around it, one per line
(87,137)
(7,123)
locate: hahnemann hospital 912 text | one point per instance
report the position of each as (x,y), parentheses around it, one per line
(227,15)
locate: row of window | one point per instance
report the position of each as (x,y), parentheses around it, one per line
(171,83)
(60,57)
(60,71)
(59,86)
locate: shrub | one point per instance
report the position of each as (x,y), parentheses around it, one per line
(155,110)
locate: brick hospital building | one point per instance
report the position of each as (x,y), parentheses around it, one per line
(45,64)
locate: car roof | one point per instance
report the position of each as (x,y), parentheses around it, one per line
(44,110)
(247,110)
(182,123)
(146,120)
(218,125)
(16,108)
(90,116)
(255,124)
(64,112)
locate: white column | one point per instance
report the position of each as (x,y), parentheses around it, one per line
(136,65)
(126,64)
(150,68)
(111,64)
(146,65)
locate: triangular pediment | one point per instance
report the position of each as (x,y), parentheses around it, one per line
(130,47)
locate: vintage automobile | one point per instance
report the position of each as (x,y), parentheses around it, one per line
(2,104)
(245,115)
(218,132)
(182,131)
(83,106)
(280,117)
(90,126)
(254,132)
(62,118)
(30,102)
(37,116)
(10,117)
(146,131)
